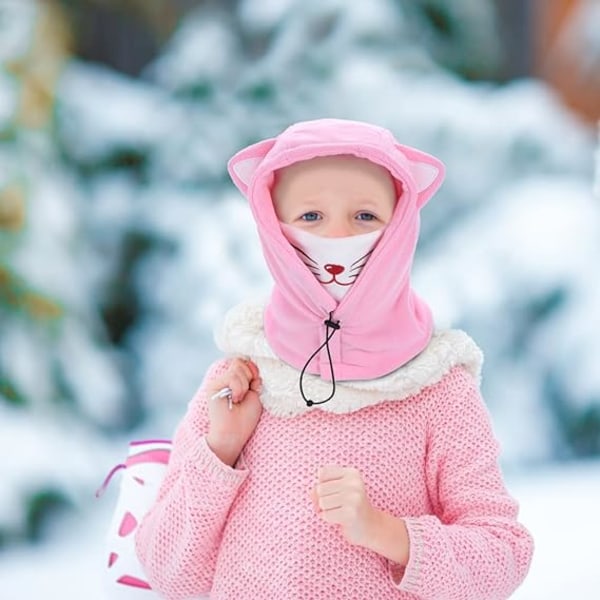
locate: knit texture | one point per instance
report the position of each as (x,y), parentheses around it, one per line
(251,532)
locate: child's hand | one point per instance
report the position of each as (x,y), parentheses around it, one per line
(230,429)
(340,498)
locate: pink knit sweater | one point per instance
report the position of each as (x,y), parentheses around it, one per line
(251,532)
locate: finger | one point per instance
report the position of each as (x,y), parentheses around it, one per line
(216,391)
(331,472)
(335,516)
(238,378)
(333,486)
(254,369)
(247,367)
(224,392)
(256,385)
(331,502)
(249,371)
(315,499)
(239,385)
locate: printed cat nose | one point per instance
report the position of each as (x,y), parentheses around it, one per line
(334,269)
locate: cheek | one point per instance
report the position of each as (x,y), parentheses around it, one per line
(280,202)
(278,208)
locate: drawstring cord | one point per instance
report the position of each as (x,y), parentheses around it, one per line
(332,326)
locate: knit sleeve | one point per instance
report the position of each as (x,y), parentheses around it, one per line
(178,540)
(472,547)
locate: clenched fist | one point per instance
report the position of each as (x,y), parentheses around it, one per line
(340,498)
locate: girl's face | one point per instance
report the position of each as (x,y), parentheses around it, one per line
(334,196)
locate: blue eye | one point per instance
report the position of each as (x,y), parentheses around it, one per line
(365,216)
(310,216)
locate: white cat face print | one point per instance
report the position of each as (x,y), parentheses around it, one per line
(335,262)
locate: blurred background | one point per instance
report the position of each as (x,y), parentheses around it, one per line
(122,241)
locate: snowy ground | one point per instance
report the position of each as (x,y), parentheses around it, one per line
(559,505)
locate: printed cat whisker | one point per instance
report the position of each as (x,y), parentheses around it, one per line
(364,257)
(312,260)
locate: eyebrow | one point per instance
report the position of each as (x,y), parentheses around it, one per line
(370,202)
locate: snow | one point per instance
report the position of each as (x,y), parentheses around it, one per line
(514,227)
(184,63)
(508,174)
(560,507)
(135,117)
(597,168)
(38,454)
(16,26)
(260,15)
(539,243)
(9,95)
(559,504)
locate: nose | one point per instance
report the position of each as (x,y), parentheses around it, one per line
(339,231)
(334,269)
(337,228)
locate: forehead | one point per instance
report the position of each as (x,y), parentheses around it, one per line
(333,168)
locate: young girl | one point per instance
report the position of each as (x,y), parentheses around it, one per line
(353,457)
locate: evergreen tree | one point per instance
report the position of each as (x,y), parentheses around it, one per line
(233,74)
(56,375)
(123,241)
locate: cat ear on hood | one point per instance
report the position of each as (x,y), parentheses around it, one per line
(427,171)
(243,164)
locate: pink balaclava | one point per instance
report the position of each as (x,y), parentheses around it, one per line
(380,324)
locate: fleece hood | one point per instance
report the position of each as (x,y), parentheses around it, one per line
(381,323)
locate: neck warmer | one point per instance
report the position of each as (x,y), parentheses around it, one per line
(336,262)
(380,323)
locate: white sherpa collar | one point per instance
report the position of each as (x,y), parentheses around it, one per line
(241,334)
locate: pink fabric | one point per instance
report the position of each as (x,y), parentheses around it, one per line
(128,524)
(383,322)
(251,532)
(157,455)
(132,581)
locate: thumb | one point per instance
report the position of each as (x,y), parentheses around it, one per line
(315,499)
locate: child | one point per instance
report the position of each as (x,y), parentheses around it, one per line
(357,459)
